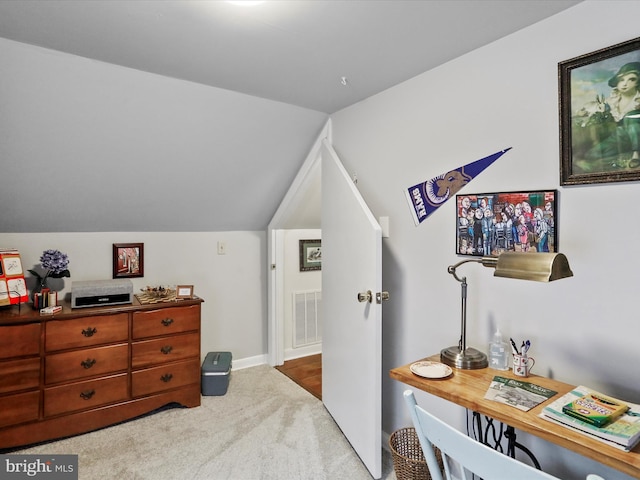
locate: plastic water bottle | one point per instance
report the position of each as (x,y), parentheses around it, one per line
(498,352)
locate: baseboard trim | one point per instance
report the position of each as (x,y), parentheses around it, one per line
(248,362)
(292,354)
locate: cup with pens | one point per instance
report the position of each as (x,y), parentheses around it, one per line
(522,363)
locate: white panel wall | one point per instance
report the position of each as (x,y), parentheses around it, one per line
(584,330)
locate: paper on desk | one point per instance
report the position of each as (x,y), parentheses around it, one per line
(522,395)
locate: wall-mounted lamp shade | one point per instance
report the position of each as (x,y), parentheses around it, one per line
(539,267)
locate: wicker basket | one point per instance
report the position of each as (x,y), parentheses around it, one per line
(408,459)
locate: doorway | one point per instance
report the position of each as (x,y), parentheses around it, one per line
(300,209)
(301,293)
(343,319)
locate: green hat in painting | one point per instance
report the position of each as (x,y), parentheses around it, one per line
(633,67)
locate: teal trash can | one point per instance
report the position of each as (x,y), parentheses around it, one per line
(216,370)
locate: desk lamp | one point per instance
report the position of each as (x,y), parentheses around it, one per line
(540,267)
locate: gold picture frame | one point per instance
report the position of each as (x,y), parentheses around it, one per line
(598,125)
(184,292)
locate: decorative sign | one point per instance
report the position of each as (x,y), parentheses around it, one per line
(13,288)
(425,198)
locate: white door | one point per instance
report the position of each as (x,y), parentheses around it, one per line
(352,330)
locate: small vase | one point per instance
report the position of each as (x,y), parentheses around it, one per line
(39,286)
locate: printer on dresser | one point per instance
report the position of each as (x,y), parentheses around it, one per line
(83,369)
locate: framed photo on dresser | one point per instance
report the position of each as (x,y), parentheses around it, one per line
(184,292)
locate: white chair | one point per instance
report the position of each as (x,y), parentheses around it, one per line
(462,455)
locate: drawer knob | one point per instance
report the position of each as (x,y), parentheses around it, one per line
(166,349)
(167,321)
(166,378)
(89,332)
(88,363)
(87,394)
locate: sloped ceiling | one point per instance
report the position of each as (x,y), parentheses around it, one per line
(305,59)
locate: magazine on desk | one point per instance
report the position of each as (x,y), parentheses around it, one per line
(522,395)
(622,433)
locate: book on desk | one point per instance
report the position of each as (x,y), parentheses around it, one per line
(522,395)
(622,432)
(595,409)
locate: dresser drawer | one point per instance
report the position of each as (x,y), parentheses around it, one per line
(166,321)
(84,395)
(19,375)
(166,349)
(165,377)
(60,367)
(86,331)
(20,340)
(22,407)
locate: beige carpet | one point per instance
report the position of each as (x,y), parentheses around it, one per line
(265,427)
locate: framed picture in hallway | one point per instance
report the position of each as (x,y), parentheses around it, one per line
(310,255)
(488,224)
(599,102)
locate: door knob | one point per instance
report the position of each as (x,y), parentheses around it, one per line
(382,297)
(365,296)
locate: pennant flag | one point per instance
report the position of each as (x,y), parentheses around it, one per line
(425,198)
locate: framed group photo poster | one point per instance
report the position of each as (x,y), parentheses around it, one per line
(128,260)
(310,255)
(488,224)
(599,107)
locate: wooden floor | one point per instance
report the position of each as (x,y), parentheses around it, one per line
(306,372)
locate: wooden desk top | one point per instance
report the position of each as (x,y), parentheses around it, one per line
(468,387)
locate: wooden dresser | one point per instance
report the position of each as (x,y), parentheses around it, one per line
(84,369)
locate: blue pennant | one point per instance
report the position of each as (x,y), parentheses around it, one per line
(425,198)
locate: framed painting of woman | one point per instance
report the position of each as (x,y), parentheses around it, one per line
(600,116)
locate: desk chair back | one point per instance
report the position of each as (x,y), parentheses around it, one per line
(462,455)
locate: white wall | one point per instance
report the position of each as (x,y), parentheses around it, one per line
(90,146)
(233,285)
(584,330)
(295,280)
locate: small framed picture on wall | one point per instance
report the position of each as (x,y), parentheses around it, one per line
(128,260)
(310,255)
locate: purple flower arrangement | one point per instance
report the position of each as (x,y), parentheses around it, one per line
(55,263)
